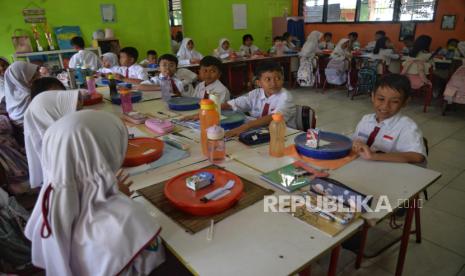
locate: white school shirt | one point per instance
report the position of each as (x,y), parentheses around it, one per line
(105,70)
(326,45)
(397,134)
(254,102)
(246,50)
(215,86)
(371,46)
(156,80)
(84,58)
(135,72)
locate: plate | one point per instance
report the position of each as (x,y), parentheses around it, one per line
(335,146)
(233,119)
(143,150)
(95,98)
(183,103)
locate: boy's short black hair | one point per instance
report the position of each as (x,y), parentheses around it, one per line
(211,61)
(328,34)
(247,36)
(276,38)
(268,67)
(286,35)
(397,82)
(168,57)
(151,52)
(381,32)
(131,52)
(46,83)
(77,41)
(452,40)
(354,34)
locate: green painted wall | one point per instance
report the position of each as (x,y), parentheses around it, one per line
(207,21)
(139,23)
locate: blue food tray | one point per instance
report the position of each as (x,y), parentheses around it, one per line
(183,103)
(339,147)
(233,119)
(136,96)
(105,82)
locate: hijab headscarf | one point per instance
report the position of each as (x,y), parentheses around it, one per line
(220,51)
(185,53)
(311,44)
(44,110)
(82,224)
(112,58)
(17,88)
(339,53)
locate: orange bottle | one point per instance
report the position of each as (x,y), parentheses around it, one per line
(277,134)
(208,117)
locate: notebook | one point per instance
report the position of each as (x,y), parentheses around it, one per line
(288,178)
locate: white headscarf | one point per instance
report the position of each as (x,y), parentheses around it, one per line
(17,88)
(185,53)
(112,58)
(220,51)
(44,110)
(82,224)
(339,53)
(311,44)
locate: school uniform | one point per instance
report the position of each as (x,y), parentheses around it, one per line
(185,55)
(258,105)
(84,58)
(250,51)
(201,91)
(370,46)
(326,45)
(220,52)
(157,80)
(105,70)
(134,71)
(398,133)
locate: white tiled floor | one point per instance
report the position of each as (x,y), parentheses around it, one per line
(442,251)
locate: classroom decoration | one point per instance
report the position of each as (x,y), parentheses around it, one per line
(21,41)
(108,13)
(406,28)
(34,14)
(48,36)
(448,22)
(36,34)
(64,35)
(239,16)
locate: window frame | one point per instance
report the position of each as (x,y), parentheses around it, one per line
(171,10)
(396,14)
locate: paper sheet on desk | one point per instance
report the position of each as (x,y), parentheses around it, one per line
(170,155)
(136,132)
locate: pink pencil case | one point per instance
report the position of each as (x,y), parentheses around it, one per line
(159,126)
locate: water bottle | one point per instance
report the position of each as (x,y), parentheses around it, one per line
(215,144)
(91,85)
(208,117)
(277,133)
(79,75)
(112,85)
(165,87)
(125,96)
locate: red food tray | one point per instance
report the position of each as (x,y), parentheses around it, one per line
(136,153)
(93,99)
(189,201)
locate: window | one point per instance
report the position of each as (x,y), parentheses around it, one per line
(315,11)
(417,10)
(341,10)
(376,10)
(175,13)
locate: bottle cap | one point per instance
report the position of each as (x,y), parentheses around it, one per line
(110,77)
(215,132)
(89,77)
(277,117)
(123,90)
(207,104)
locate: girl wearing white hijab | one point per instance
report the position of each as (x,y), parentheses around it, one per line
(4,63)
(82,224)
(44,110)
(18,80)
(187,54)
(336,70)
(305,76)
(109,63)
(224,50)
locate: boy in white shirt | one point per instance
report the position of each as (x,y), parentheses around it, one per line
(168,66)
(151,60)
(327,44)
(371,45)
(83,58)
(262,102)
(247,48)
(209,73)
(130,71)
(387,135)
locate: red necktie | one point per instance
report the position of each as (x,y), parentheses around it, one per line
(372,136)
(265,110)
(127,72)
(174,87)
(205,94)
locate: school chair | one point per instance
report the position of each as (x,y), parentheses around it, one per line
(418,85)
(322,62)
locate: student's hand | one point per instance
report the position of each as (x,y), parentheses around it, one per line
(177,94)
(194,117)
(365,152)
(356,145)
(123,183)
(234,132)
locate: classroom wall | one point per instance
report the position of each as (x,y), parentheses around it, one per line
(206,22)
(139,23)
(366,31)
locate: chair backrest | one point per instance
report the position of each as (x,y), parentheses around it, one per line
(366,81)
(305,117)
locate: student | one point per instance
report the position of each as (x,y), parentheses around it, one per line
(387,135)
(168,66)
(224,50)
(44,84)
(209,73)
(305,75)
(43,111)
(278,43)
(451,51)
(338,65)
(262,102)
(408,44)
(247,48)
(80,216)
(416,67)
(130,71)
(371,45)
(187,54)
(188,79)
(3,66)
(109,63)
(287,37)
(327,44)
(354,44)
(83,58)
(151,59)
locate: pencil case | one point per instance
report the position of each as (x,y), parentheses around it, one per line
(159,126)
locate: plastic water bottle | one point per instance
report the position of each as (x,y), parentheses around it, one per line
(125,96)
(165,87)
(208,117)
(79,75)
(215,144)
(112,85)
(277,132)
(91,85)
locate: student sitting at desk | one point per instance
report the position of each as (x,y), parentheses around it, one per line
(279,47)
(109,63)
(387,135)
(187,54)
(338,65)
(288,40)
(224,50)
(371,45)
(168,65)
(451,51)
(305,74)
(384,50)
(354,44)
(209,74)
(327,44)
(417,66)
(408,44)
(130,71)
(83,58)
(150,60)
(247,48)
